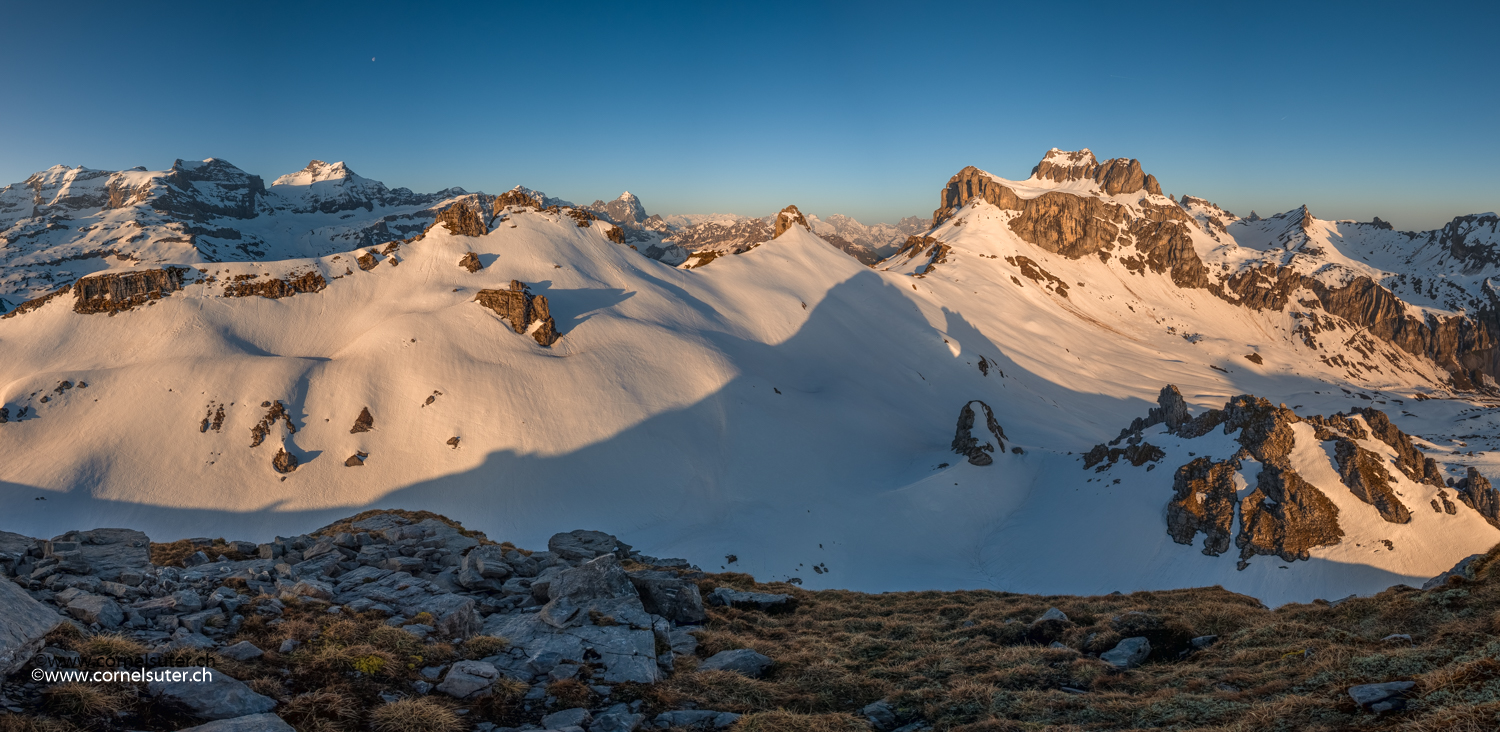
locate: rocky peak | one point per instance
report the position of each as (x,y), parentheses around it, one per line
(315,172)
(1064,165)
(625,210)
(1116,176)
(786,218)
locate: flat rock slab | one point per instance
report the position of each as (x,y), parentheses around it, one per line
(25,626)
(1388,696)
(207,693)
(250,723)
(762,601)
(742,661)
(111,551)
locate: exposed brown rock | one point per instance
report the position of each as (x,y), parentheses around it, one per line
(363,422)
(1204,502)
(461,219)
(1034,272)
(274,412)
(453,442)
(1338,425)
(1115,176)
(284,462)
(356,460)
(615,234)
(276,289)
(1364,473)
(212,419)
(1254,358)
(1285,516)
(366,261)
(119,291)
(516,198)
(520,308)
(1414,464)
(1477,493)
(582,217)
(786,218)
(470,261)
(1138,454)
(964,443)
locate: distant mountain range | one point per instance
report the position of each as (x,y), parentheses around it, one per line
(1069,382)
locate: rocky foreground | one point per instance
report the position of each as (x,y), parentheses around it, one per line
(396,620)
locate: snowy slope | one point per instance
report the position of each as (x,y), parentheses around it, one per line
(785,405)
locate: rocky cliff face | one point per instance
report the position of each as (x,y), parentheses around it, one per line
(112,293)
(1117,176)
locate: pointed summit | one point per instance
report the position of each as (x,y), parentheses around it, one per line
(316,171)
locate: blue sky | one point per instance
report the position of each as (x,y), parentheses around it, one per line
(1356,109)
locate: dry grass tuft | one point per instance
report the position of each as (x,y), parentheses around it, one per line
(414,715)
(484,646)
(85,701)
(784,721)
(172,553)
(570,693)
(325,709)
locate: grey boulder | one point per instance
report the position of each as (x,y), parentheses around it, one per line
(617,722)
(96,609)
(469,679)
(1128,653)
(207,693)
(598,585)
(249,723)
(742,661)
(582,545)
(577,717)
(670,596)
(242,651)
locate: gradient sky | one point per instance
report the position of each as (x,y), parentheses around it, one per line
(1356,109)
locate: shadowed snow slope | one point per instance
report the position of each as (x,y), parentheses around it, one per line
(786,405)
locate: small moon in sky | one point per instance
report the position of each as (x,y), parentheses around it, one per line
(372,58)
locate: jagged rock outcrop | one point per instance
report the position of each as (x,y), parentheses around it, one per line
(470,261)
(520,308)
(1364,472)
(1171,409)
(363,423)
(1205,500)
(1116,176)
(461,220)
(1477,493)
(1137,454)
(788,217)
(119,291)
(276,289)
(974,444)
(1285,516)
(35,303)
(1415,465)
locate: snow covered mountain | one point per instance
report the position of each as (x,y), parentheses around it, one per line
(525,364)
